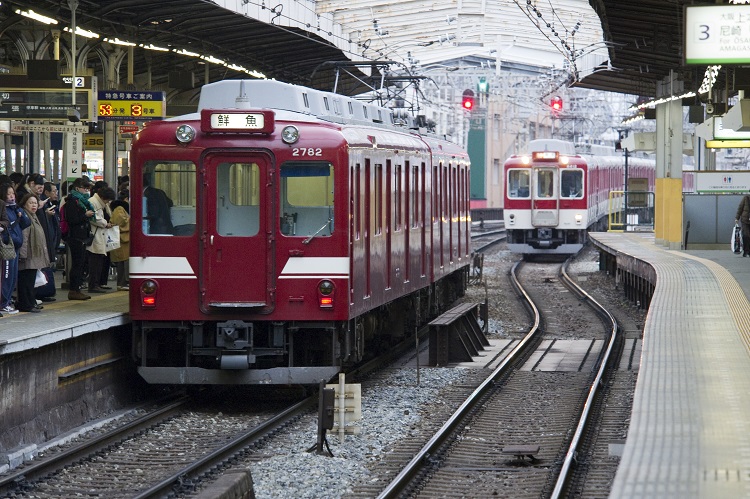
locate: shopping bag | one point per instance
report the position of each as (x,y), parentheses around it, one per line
(736,242)
(41,279)
(49,289)
(112,237)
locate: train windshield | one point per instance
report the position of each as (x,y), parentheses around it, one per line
(571,183)
(306,204)
(518,183)
(169,198)
(238,189)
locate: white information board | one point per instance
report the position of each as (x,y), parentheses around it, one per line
(722,181)
(717,34)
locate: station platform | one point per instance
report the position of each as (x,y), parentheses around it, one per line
(689,432)
(62,319)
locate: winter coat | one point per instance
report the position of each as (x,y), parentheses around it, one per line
(121,218)
(18,222)
(79,227)
(98,226)
(33,254)
(743,211)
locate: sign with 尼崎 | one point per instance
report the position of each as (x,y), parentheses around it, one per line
(717,34)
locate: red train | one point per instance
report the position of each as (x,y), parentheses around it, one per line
(553,195)
(285,232)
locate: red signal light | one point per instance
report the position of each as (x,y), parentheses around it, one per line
(467,100)
(556,104)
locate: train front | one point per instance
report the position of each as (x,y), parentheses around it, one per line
(545,203)
(239,255)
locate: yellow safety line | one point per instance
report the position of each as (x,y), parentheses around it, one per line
(734,295)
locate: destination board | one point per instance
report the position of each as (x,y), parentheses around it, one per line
(131,105)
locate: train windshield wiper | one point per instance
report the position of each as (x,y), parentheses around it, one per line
(327,224)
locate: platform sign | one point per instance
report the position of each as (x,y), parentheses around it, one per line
(116,105)
(735,182)
(717,34)
(50,104)
(73,155)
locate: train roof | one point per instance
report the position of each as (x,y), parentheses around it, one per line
(276,95)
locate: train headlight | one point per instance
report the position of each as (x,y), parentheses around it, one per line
(512,218)
(579,218)
(290,134)
(525,160)
(185,133)
(148,293)
(325,293)
(564,160)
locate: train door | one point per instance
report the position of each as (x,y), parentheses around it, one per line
(544,207)
(237,227)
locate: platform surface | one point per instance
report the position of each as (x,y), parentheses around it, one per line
(690,427)
(63,319)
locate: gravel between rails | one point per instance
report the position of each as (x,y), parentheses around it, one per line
(398,416)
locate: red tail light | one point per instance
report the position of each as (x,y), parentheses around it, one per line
(325,293)
(326,301)
(148,293)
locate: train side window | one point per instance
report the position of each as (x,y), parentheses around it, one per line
(306,204)
(518,183)
(168,202)
(571,183)
(238,199)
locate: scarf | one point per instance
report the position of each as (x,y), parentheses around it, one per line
(37,239)
(83,202)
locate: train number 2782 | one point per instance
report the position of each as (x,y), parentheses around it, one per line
(307,151)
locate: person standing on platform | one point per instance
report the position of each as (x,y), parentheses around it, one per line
(97,251)
(18,222)
(743,216)
(33,256)
(78,213)
(119,256)
(4,234)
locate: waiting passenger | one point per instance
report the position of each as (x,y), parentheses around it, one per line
(97,250)
(18,222)
(32,257)
(78,211)
(120,256)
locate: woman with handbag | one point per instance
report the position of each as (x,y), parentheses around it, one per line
(97,250)
(9,267)
(120,256)
(78,211)
(32,257)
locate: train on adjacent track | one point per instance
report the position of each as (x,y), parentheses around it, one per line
(284,233)
(553,196)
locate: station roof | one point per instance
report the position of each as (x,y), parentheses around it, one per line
(609,45)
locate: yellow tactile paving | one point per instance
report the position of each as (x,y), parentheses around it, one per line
(690,427)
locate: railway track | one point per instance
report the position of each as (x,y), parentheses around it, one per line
(518,432)
(166,448)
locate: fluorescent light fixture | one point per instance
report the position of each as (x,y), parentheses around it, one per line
(212,59)
(151,46)
(117,41)
(186,52)
(37,17)
(663,100)
(82,32)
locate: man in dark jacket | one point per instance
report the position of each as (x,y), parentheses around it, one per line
(78,211)
(743,216)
